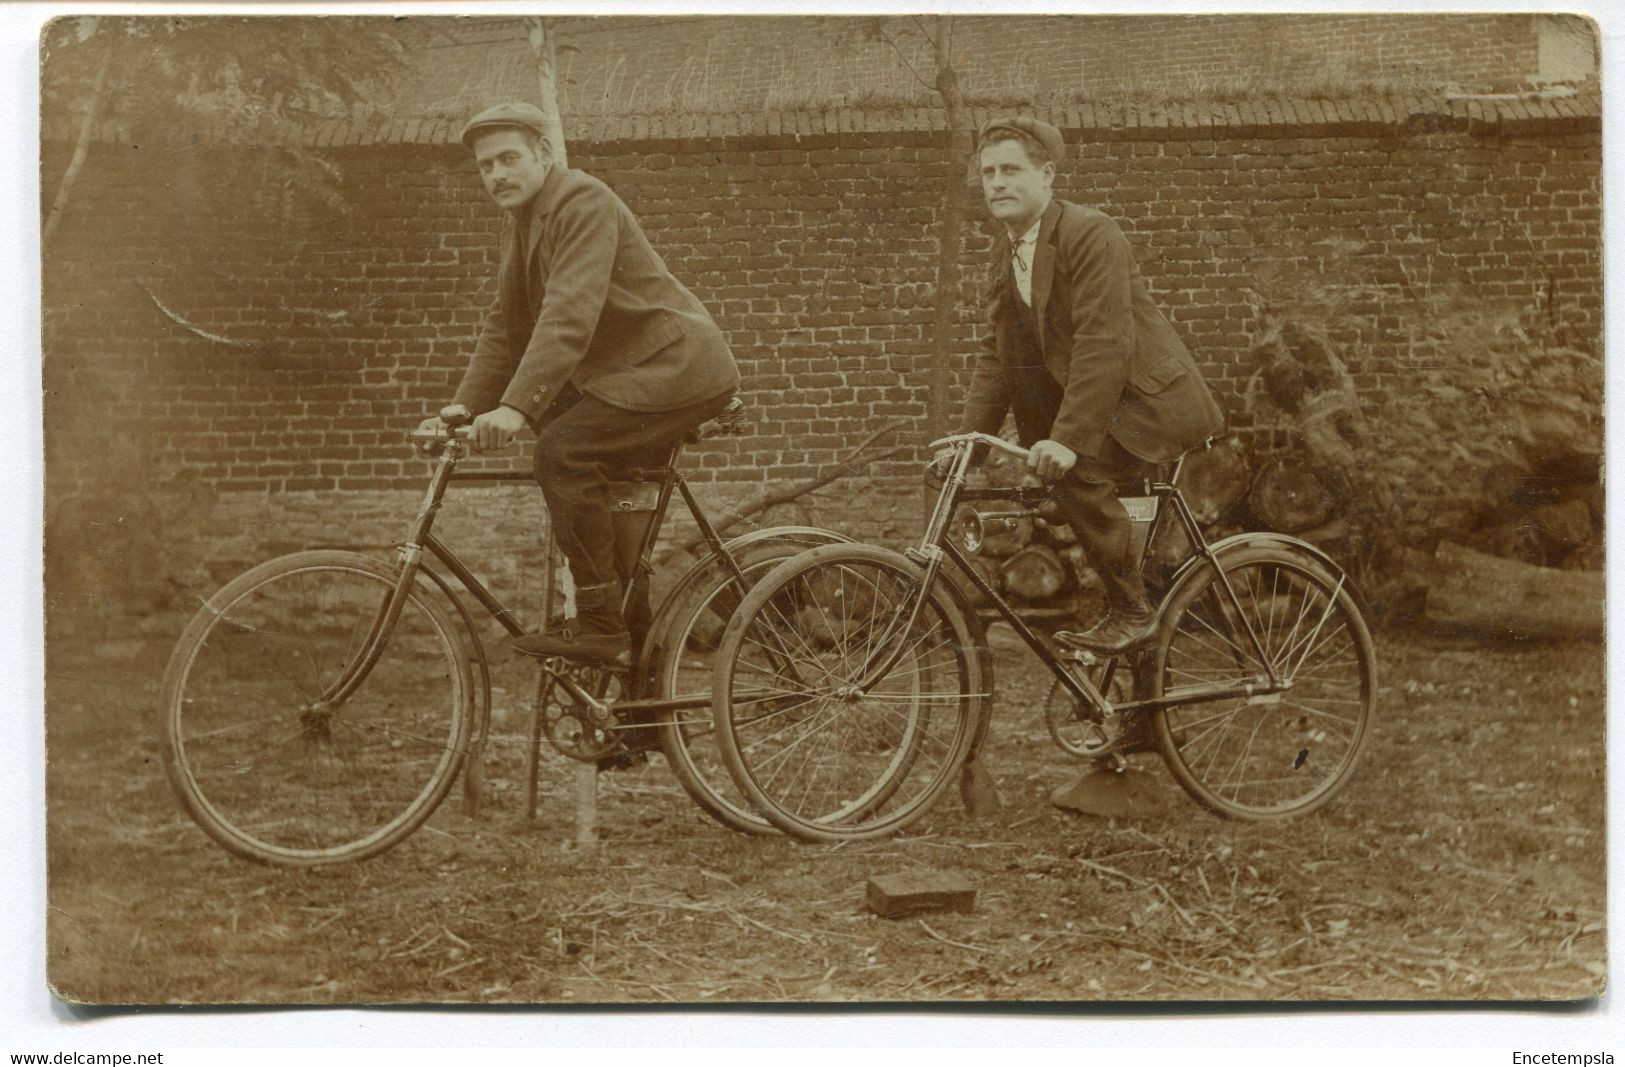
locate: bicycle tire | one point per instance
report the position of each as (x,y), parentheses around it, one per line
(1269,756)
(682,652)
(878,755)
(263,763)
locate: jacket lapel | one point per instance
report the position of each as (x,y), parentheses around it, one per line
(536,266)
(1044,264)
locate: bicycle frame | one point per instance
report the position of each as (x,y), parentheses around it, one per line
(935,546)
(421,538)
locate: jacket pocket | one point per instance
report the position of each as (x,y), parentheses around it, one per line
(1159,376)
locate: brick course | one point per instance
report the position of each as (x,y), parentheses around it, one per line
(815,251)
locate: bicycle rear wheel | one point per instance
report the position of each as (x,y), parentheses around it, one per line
(283,743)
(843,711)
(687,651)
(1270,755)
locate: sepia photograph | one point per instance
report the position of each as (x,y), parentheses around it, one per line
(944,509)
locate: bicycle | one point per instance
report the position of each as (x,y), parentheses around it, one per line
(846,698)
(318,708)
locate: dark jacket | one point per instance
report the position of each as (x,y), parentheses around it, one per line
(609,317)
(1124,370)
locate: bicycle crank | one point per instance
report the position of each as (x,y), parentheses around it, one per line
(582,731)
(1075,732)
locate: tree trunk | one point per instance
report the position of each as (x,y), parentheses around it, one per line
(547,83)
(938,416)
(1288,496)
(81,148)
(1495,597)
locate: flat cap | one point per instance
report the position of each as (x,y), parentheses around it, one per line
(1037,129)
(505,116)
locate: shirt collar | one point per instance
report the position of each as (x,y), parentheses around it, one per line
(1030,237)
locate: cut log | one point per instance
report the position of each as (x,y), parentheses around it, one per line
(1563,526)
(1214,481)
(1549,476)
(1327,533)
(1482,594)
(1515,540)
(1288,496)
(1586,557)
(1005,536)
(988,569)
(1080,574)
(1034,573)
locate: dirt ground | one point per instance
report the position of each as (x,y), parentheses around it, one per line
(1464,861)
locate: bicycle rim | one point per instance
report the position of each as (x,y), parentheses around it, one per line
(272,749)
(689,735)
(1271,755)
(826,747)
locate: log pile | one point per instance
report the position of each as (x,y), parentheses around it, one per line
(1468,497)
(1530,568)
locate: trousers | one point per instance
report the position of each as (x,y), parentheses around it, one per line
(1086,496)
(580,443)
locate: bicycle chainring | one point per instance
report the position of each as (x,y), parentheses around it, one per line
(577,730)
(1075,733)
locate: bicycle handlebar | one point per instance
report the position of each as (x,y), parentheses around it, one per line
(974,439)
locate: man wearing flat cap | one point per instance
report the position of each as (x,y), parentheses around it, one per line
(594,345)
(1099,384)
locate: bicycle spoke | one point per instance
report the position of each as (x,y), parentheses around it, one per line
(270,768)
(1283,750)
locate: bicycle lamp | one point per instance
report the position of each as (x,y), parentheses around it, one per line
(971,527)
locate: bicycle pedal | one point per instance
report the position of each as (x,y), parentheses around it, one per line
(623,759)
(1073,654)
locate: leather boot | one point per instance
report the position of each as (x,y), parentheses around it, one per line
(598,633)
(1130,623)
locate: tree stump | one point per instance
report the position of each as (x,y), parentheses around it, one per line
(1214,481)
(1288,496)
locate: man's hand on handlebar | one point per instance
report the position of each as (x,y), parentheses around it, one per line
(1050,460)
(495,429)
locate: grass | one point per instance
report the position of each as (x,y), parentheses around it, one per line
(1465,861)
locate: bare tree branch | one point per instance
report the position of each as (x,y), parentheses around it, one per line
(853,461)
(895,47)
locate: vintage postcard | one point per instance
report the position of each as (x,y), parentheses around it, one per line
(936,509)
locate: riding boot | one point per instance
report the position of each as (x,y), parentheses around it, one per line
(597,634)
(1130,623)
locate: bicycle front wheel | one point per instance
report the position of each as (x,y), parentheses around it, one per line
(847,698)
(293,736)
(687,659)
(1276,754)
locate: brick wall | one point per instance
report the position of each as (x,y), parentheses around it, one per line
(270,353)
